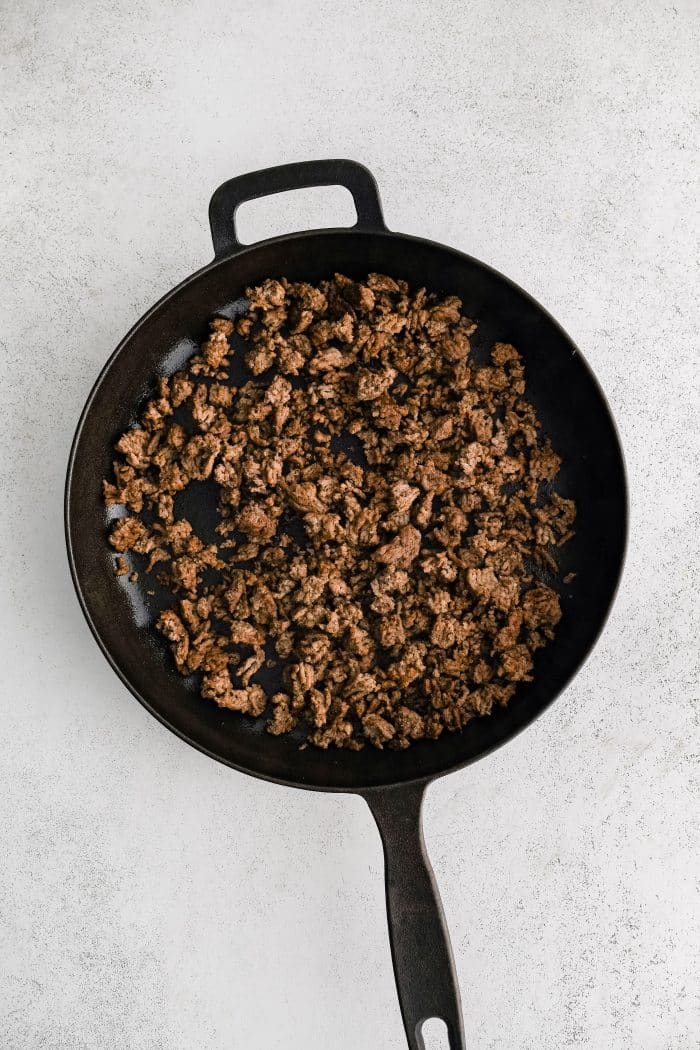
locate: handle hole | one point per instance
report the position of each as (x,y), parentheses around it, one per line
(294,210)
(434,1034)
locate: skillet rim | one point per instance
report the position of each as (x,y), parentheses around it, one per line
(360,788)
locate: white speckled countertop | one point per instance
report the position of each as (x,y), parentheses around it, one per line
(151,899)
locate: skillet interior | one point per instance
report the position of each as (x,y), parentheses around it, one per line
(573,412)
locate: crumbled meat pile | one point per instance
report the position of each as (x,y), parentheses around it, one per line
(384,506)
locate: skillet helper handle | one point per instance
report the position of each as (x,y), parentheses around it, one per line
(420,943)
(303,175)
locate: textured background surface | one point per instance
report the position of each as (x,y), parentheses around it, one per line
(152,900)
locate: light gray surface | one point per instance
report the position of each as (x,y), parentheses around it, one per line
(153,900)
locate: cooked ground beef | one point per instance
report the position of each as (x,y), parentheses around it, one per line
(384,505)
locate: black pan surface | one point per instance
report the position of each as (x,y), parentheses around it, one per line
(574,414)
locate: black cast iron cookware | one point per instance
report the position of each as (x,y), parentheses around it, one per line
(574,414)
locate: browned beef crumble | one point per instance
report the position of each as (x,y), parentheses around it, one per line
(384,505)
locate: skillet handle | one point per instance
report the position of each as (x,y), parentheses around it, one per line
(420,944)
(348,173)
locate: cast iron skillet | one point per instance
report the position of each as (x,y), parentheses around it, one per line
(574,413)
